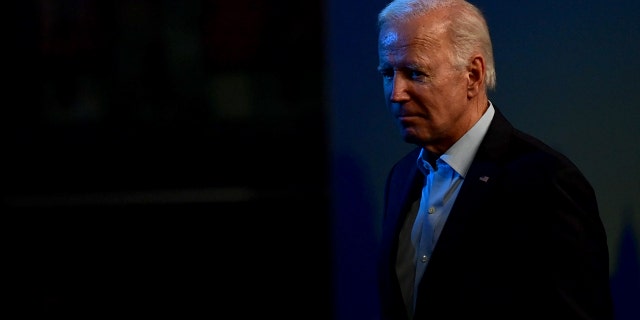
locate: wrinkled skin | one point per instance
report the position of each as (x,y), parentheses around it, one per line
(433,101)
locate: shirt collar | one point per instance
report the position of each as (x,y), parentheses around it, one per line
(461,153)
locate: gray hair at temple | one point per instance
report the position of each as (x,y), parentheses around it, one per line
(468,29)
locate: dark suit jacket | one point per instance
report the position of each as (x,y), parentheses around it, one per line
(524,239)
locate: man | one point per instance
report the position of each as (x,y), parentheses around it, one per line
(481,220)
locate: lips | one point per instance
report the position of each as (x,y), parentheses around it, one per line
(403,117)
(407,120)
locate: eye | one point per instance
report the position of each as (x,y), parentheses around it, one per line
(418,75)
(386,73)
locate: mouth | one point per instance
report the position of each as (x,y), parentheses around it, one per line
(406,117)
(407,121)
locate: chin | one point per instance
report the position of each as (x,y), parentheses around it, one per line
(408,137)
(412,137)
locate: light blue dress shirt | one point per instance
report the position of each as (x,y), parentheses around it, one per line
(440,190)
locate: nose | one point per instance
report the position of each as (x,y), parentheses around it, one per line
(398,89)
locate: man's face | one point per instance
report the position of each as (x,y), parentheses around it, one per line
(425,92)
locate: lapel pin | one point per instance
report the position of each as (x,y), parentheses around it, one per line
(484,178)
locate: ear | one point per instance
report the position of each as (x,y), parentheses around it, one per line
(475,76)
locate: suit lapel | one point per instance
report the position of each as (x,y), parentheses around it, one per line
(480,182)
(476,189)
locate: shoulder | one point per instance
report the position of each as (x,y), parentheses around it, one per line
(520,148)
(536,169)
(531,152)
(526,159)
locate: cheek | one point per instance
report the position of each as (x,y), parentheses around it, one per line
(455,90)
(387,88)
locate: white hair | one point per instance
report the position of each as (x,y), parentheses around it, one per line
(468,29)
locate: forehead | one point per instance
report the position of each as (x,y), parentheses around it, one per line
(427,32)
(415,43)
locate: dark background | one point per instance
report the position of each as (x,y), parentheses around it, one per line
(227,158)
(166,158)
